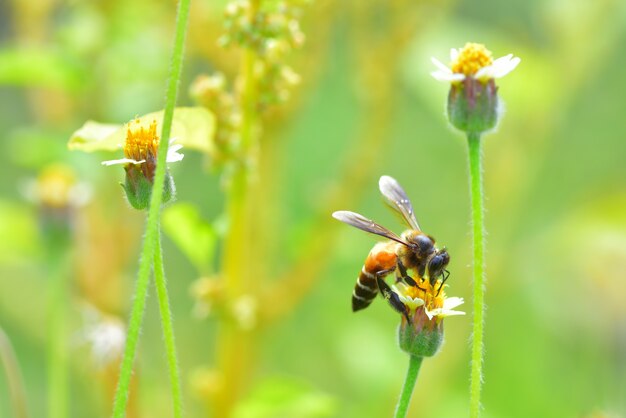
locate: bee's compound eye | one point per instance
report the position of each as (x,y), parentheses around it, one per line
(438,263)
(424,243)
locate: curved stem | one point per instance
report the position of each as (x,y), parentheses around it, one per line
(476,192)
(154,211)
(168,329)
(14,377)
(409,384)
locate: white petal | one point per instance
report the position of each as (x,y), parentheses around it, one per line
(484,73)
(442,67)
(442,313)
(122,161)
(507,67)
(432,313)
(502,60)
(449,77)
(174,148)
(499,68)
(173,155)
(449,312)
(451,303)
(454,54)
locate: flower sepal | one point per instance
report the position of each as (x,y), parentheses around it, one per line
(421,337)
(138,187)
(473,105)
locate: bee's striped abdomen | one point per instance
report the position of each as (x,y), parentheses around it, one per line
(381,258)
(365,290)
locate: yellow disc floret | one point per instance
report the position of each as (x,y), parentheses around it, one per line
(471,58)
(433,296)
(141,143)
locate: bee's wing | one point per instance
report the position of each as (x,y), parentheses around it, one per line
(397,198)
(367,225)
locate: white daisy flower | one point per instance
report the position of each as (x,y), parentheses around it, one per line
(475,61)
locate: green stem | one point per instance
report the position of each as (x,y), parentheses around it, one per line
(152,223)
(57,336)
(476,192)
(14,377)
(57,359)
(235,346)
(168,329)
(409,384)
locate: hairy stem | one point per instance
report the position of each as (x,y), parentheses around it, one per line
(14,377)
(152,224)
(168,329)
(476,192)
(409,384)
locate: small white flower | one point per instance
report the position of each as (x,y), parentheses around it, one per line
(447,309)
(474,61)
(104,334)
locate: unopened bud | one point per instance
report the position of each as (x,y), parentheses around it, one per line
(421,337)
(473,105)
(138,187)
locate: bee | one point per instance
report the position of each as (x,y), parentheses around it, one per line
(412,250)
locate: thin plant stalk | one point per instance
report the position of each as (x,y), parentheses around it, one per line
(13,375)
(168,329)
(402,408)
(476,192)
(58,379)
(234,349)
(152,224)
(57,353)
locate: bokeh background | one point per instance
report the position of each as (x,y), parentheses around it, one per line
(555,181)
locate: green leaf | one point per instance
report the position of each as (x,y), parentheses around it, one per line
(193,127)
(281,397)
(195,237)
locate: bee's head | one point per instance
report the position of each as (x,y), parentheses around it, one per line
(437,264)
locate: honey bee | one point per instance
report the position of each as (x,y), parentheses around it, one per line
(412,250)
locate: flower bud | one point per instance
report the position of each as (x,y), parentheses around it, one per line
(473,105)
(138,187)
(421,336)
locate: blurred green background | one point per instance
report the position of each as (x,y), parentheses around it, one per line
(555,181)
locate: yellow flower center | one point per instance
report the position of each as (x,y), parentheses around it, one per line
(471,58)
(54,186)
(432,296)
(141,143)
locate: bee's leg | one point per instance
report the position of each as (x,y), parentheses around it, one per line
(446,274)
(392,297)
(405,276)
